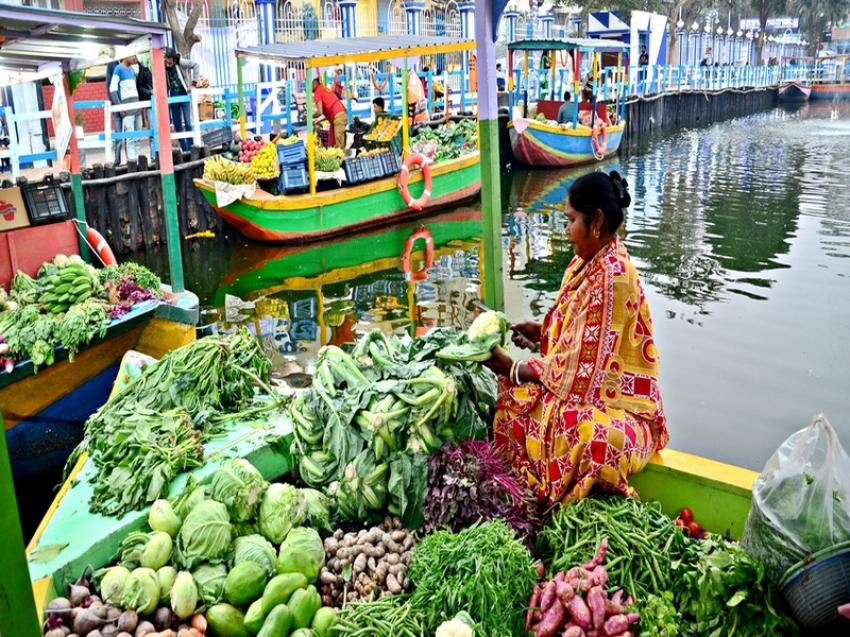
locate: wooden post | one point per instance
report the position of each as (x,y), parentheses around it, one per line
(76,173)
(17,605)
(311,135)
(166,164)
(110,204)
(488,117)
(145,204)
(133,204)
(405,118)
(552,65)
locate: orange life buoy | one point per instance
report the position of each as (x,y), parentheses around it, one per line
(99,245)
(420,275)
(415,160)
(599,149)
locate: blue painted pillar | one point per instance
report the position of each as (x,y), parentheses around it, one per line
(510,18)
(413,14)
(467,32)
(266,11)
(348,10)
(547,21)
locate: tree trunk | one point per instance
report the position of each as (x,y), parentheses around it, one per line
(184,38)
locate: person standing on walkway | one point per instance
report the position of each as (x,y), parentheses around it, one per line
(500,78)
(144,86)
(182,77)
(122,90)
(706,61)
(116,117)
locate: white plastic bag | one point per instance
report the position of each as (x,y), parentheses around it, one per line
(801,500)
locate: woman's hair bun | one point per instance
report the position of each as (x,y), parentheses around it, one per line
(621,188)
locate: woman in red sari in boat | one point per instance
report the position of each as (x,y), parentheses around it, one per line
(587,410)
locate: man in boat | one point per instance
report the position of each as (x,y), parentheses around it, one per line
(327,106)
(378,106)
(565,115)
(586,410)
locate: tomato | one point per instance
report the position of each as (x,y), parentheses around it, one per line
(686,515)
(694,529)
(679,523)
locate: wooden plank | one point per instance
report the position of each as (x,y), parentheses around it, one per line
(145,213)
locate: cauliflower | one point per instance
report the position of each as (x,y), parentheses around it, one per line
(461,626)
(76,258)
(488,330)
(485,325)
(60,261)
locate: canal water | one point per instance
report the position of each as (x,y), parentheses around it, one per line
(741,232)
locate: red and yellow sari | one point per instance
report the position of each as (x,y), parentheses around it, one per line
(596,415)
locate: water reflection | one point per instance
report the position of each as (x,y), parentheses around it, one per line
(741,233)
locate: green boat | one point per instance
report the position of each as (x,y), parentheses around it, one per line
(317,215)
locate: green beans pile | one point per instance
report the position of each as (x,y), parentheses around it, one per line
(389,616)
(643,542)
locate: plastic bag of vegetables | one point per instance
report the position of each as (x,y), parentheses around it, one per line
(205,536)
(488,330)
(240,487)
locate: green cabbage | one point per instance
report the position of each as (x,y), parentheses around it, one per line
(302,552)
(318,509)
(210,579)
(205,535)
(282,508)
(193,494)
(255,548)
(239,486)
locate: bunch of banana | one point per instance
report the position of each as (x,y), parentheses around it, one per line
(217,168)
(68,286)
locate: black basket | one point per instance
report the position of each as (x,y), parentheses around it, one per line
(45,201)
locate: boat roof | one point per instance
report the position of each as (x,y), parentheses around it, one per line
(319,53)
(568,44)
(37,42)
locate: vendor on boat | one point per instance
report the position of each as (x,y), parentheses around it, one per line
(327,106)
(586,411)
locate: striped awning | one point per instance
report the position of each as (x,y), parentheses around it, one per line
(319,53)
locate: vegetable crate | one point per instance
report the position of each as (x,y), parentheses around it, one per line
(354,170)
(390,163)
(386,132)
(293,179)
(44,201)
(292,154)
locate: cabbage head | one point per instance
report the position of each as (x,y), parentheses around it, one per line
(192,495)
(205,535)
(302,552)
(255,548)
(318,509)
(210,579)
(282,508)
(239,486)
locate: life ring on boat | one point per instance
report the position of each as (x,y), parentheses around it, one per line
(419,275)
(599,148)
(413,161)
(99,245)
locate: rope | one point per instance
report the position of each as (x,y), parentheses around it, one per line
(77,223)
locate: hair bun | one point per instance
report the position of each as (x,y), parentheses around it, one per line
(621,187)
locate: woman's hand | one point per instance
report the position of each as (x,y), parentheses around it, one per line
(499,363)
(526,335)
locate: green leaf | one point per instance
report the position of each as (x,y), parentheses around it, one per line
(737,598)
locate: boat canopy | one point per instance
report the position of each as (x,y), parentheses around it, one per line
(320,53)
(36,43)
(568,44)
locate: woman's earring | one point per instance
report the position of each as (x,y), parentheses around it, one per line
(596,233)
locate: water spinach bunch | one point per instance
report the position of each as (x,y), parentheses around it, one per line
(483,570)
(365,427)
(157,424)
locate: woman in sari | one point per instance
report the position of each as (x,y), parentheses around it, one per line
(587,411)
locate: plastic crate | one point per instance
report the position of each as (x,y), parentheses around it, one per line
(390,162)
(292,154)
(394,144)
(353,169)
(293,179)
(45,202)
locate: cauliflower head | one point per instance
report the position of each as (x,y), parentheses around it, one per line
(487,325)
